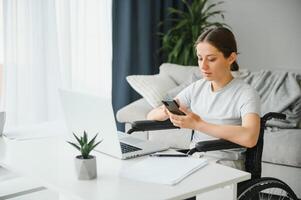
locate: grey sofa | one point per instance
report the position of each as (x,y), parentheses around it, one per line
(282,148)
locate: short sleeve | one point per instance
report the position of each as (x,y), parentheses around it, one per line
(250,102)
(185,96)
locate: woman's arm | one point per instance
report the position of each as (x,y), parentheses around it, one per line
(245,135)
(158,113)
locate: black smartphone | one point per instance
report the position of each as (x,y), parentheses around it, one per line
(173,107)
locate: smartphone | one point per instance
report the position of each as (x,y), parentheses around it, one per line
(173,107)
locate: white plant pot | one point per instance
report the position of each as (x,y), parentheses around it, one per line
(86,168)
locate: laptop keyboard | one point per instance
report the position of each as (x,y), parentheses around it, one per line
(126,148)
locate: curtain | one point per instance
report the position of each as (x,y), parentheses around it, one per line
(52,44)
(85,45)
(30,61)
(1,53)
(136,43)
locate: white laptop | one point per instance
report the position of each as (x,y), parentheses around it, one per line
(95,115)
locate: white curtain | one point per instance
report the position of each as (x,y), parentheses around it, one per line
(1,32)
(1,53)
(51,44)
(85,38)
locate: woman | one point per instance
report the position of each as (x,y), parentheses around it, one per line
(219,105)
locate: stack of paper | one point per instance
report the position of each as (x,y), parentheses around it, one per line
(163,170)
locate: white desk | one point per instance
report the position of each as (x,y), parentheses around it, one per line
(50,162)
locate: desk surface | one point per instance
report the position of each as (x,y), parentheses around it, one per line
(51,162)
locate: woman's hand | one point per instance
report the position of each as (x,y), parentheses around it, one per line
(190,120)
(160,113)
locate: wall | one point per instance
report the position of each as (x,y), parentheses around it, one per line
(268,32)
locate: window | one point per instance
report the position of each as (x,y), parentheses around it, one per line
(1,46)
(1,32)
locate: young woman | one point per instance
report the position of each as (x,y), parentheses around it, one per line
(219,105)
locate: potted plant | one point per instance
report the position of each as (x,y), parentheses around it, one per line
(85,163)
(188,24)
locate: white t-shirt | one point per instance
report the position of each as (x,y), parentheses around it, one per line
(225,106)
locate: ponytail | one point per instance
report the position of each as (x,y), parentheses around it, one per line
(234,66)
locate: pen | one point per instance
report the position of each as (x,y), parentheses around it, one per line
(169,155)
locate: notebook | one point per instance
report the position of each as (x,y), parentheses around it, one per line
(163,170)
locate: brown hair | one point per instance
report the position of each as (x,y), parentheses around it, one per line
(222,39)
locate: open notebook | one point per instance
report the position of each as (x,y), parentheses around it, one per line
(163,170)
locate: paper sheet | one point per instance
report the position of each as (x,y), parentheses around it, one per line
(163,170)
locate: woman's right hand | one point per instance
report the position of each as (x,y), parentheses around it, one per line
(160,114)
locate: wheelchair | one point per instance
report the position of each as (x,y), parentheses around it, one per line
(256,188)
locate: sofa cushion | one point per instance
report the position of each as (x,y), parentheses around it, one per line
(175,91)
(175,138)
(282,147)
(168,83)
(152,87)
(178,73)
(134,111)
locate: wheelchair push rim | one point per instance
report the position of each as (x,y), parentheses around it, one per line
(267,189)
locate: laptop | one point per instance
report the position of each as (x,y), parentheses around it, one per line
(94,114)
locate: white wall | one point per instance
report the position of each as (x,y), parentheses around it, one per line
(268,32)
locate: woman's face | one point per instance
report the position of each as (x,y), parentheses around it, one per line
(213,65)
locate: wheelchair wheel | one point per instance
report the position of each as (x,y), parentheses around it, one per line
(266,189)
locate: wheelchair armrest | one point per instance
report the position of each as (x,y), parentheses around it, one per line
(151,125)
(213,145)
(272,115)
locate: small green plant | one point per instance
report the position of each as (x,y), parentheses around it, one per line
(84,146)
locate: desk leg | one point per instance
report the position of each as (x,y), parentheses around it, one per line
(234,191)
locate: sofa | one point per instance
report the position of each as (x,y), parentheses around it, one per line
(280,91)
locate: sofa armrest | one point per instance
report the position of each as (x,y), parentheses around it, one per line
(134,111)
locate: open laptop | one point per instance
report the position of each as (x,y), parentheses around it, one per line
(95,115)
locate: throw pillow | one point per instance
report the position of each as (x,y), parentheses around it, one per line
(178,73)
(194,76)
(152,87)
(171,94)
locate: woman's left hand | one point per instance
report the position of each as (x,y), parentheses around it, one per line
(190,120)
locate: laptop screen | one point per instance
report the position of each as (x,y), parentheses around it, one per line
(94,115)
